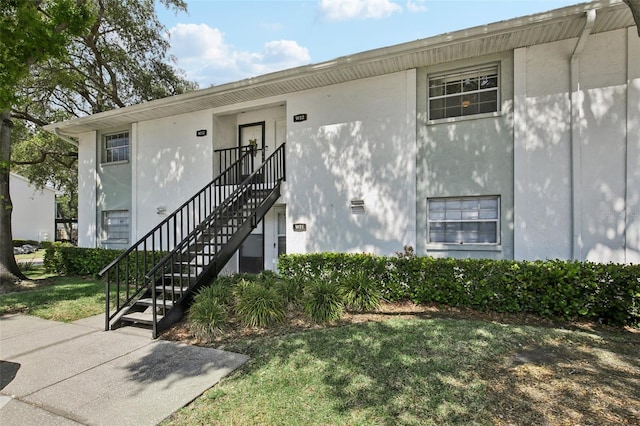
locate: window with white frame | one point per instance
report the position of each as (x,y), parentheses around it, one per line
(464,93)
(115,224)
(115,147)
(465,220)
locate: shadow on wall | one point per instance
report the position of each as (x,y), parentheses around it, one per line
(467,158)
(543,178)
(335,164)
(610,205)
(545,219)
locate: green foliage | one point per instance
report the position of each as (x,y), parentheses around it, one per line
(46,160)
(609,293)
(27,265)
(33,31)
(258,304)
(209,311)
(359,291)
(64,258)
(322,301)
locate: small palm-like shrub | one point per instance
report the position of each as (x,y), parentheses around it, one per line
(208,313)
(290,291)
(322,301)
(359,292)
(221,290)
(257,305)
(287,289)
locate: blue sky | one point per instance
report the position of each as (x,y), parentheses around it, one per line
(220,41)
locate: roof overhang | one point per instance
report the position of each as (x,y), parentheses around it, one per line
(555,25)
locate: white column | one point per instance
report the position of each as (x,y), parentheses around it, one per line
(520,168)
(88,146)
(632,225)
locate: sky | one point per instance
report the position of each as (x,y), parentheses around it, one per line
(221,41)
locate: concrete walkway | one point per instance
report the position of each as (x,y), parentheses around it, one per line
(68,374)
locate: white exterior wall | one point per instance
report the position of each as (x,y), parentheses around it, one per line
(34,211)
(358,143)
(87,175)
(632,213)
(592,164)
(171,164)
(467,156)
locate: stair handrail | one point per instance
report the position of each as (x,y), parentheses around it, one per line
(171,216)
(163,229)
(241,187)
(276,168)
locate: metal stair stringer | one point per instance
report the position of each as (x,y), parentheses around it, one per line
(141,285)
(220,259)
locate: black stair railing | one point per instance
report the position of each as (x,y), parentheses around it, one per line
(197,259)
(125,276)
(228,156)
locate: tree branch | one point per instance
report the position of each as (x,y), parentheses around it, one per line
(55,155)
(634,5)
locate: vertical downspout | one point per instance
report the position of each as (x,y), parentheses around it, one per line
(576,151)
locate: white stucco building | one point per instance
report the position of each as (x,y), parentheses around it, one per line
(34,210)
(513,140)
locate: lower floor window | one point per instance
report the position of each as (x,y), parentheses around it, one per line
(464,220)
(115,224)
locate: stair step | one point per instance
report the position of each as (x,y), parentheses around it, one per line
(179,276)
(175,290)
(148,301)
(140,317)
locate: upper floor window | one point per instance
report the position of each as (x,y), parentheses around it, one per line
(463,93)
(115,147)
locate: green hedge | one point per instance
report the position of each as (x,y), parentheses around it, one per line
(66,259)
(568,290)
(63,258)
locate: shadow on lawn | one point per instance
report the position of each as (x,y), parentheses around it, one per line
(591,383)
(464,372)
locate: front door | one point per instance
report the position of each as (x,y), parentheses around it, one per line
(280,237)
(253,135)
(252,252)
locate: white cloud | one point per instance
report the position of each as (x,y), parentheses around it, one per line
(416,6)
(339,10)
(206,57)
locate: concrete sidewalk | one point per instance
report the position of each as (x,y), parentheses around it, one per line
(67,374)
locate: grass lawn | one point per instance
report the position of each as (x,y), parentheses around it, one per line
(431,367)
(39,254)
(53,297)
(430,371)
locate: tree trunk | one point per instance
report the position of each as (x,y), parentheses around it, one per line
(9,271)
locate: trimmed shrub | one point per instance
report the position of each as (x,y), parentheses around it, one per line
(322,301)
(63,258)
(608,293)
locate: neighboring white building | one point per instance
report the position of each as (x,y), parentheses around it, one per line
(513,140)
(34,210)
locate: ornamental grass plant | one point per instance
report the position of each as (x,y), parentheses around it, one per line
(259,305)
(322,301)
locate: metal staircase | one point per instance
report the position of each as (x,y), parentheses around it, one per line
(153,282)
